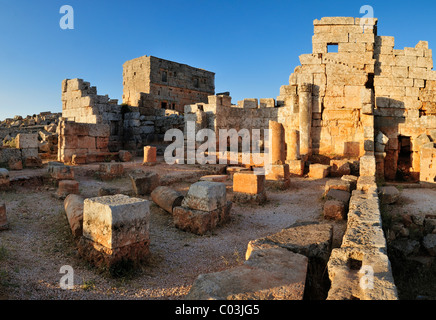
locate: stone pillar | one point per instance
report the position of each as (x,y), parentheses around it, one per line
(166,198)
(277,148)
(292,145)
(305,110)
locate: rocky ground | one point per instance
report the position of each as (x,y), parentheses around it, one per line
(409,226)
(39,241)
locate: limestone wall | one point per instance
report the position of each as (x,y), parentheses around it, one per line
(150,82)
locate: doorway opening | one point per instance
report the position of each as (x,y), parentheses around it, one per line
(404,159)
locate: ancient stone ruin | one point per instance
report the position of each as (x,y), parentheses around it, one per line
(356,113)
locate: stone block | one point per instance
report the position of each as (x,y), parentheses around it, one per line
(198,221)
(278,172)
(337,185)
(272,274)
(339,168)
(429,243)
(338,195)
(318,171)
(205,196)
(110,220)
(296,167)
(149,156)
(67,187)
(73,206)
(248,183)
(27,141)
(112,170)
(144,183)
(352,180)
(33,162)
(59,171)
(367,165)
(3,218)
(388,195)
(334,210)
(125,156)
(108,191)
(15,164)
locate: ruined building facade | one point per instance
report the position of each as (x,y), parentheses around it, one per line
(151,82)
(364,100)
(353,97)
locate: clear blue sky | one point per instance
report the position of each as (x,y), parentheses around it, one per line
(252,46)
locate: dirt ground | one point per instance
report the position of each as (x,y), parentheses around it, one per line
(39,241)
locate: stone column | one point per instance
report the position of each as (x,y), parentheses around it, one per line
(277,147)
(305,110)
(292,143)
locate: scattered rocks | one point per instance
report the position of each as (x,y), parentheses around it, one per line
(389,195)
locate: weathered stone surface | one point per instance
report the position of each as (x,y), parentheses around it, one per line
(15,164)
(406,247)
(3,218)
(73,206)
(108,191)
(312,240)
(33,162)
(67,187)
(195,221)
(352,180)
(205,196)
(339,168)
(149,156)
(334,210)
(116,221)
(167,198)
(27,141)
(296,167)
(337,185)
(270,274)
(125,156)
(388,195)
(144,183)
(214,178)
(318,171)
(59,171)
(344,266)
(339,195)
(109,171)
(249,183)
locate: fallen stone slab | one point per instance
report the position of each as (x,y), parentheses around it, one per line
(144,183)
(388,195)
(272,274)
(205,196)
(73,206)
(167,198)
(214,178)
(311,239)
